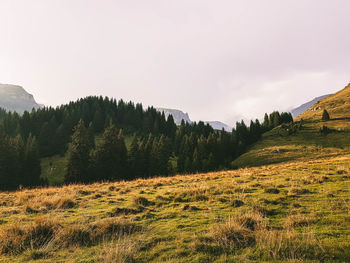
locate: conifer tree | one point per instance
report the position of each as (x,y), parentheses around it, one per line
(78,164)
(325,115)
(110,157)
(135,159)
(31,166)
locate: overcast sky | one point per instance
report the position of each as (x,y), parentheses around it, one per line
(215,59)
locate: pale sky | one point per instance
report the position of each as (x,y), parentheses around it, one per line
(215,59)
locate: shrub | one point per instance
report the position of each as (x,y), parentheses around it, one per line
(142,201)
(272,191)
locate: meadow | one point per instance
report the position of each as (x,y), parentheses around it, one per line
(290,212)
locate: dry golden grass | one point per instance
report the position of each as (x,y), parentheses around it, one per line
(237,215)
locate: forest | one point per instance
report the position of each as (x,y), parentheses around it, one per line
(159,147)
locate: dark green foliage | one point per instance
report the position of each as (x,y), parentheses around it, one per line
(19,162)
(159,147)
(325,130)
(110,157)
(54,127)
(78,156)
(325,115)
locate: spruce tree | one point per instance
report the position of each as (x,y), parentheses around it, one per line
(31,165)
(110,159)
(135,159)
(78,162)
(325,115)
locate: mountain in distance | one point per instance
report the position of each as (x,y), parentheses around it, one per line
(301,109)
(15,98)
(179,115)
(218,125)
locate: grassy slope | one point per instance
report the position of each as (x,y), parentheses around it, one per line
(338,106)
(277,146)
(295,209)
(306,143)
(307,218)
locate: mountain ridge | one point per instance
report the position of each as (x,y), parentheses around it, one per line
(16,98)
(179,115)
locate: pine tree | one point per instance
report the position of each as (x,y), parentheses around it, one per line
(196,165)
(325,115)
(110,159)
(78,164)
(31,166)
(135,159)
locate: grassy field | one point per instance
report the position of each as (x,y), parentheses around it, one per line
(289,202)
(290,212)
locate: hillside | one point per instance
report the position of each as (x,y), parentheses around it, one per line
(15,98)
(304,107)
(304,140)
(338,106)
(292,212)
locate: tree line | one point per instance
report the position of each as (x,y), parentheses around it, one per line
(19,161)
(158,146)
(195,148)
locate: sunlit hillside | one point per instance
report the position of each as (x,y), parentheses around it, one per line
(338,106)
(307,138)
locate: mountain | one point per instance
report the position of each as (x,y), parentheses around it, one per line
(179,115)
(218,125)
(301,109)
(337,105)
(15,98)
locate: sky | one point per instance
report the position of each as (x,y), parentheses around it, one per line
(217,60)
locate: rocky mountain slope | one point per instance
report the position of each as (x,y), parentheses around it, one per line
(177,115)
(15,98)
(218,125)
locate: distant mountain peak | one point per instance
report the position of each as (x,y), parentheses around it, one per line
(16,98)
(179,115)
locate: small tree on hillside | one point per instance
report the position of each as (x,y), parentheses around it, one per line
(325,115)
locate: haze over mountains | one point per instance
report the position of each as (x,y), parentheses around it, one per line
(180,115)
(15,98)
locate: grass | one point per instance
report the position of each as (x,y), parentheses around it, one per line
(338,106)
(278,146)
(290,212)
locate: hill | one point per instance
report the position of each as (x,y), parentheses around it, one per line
(301,109)
(304,139)
(296,211)
(15,98)
(338,106)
